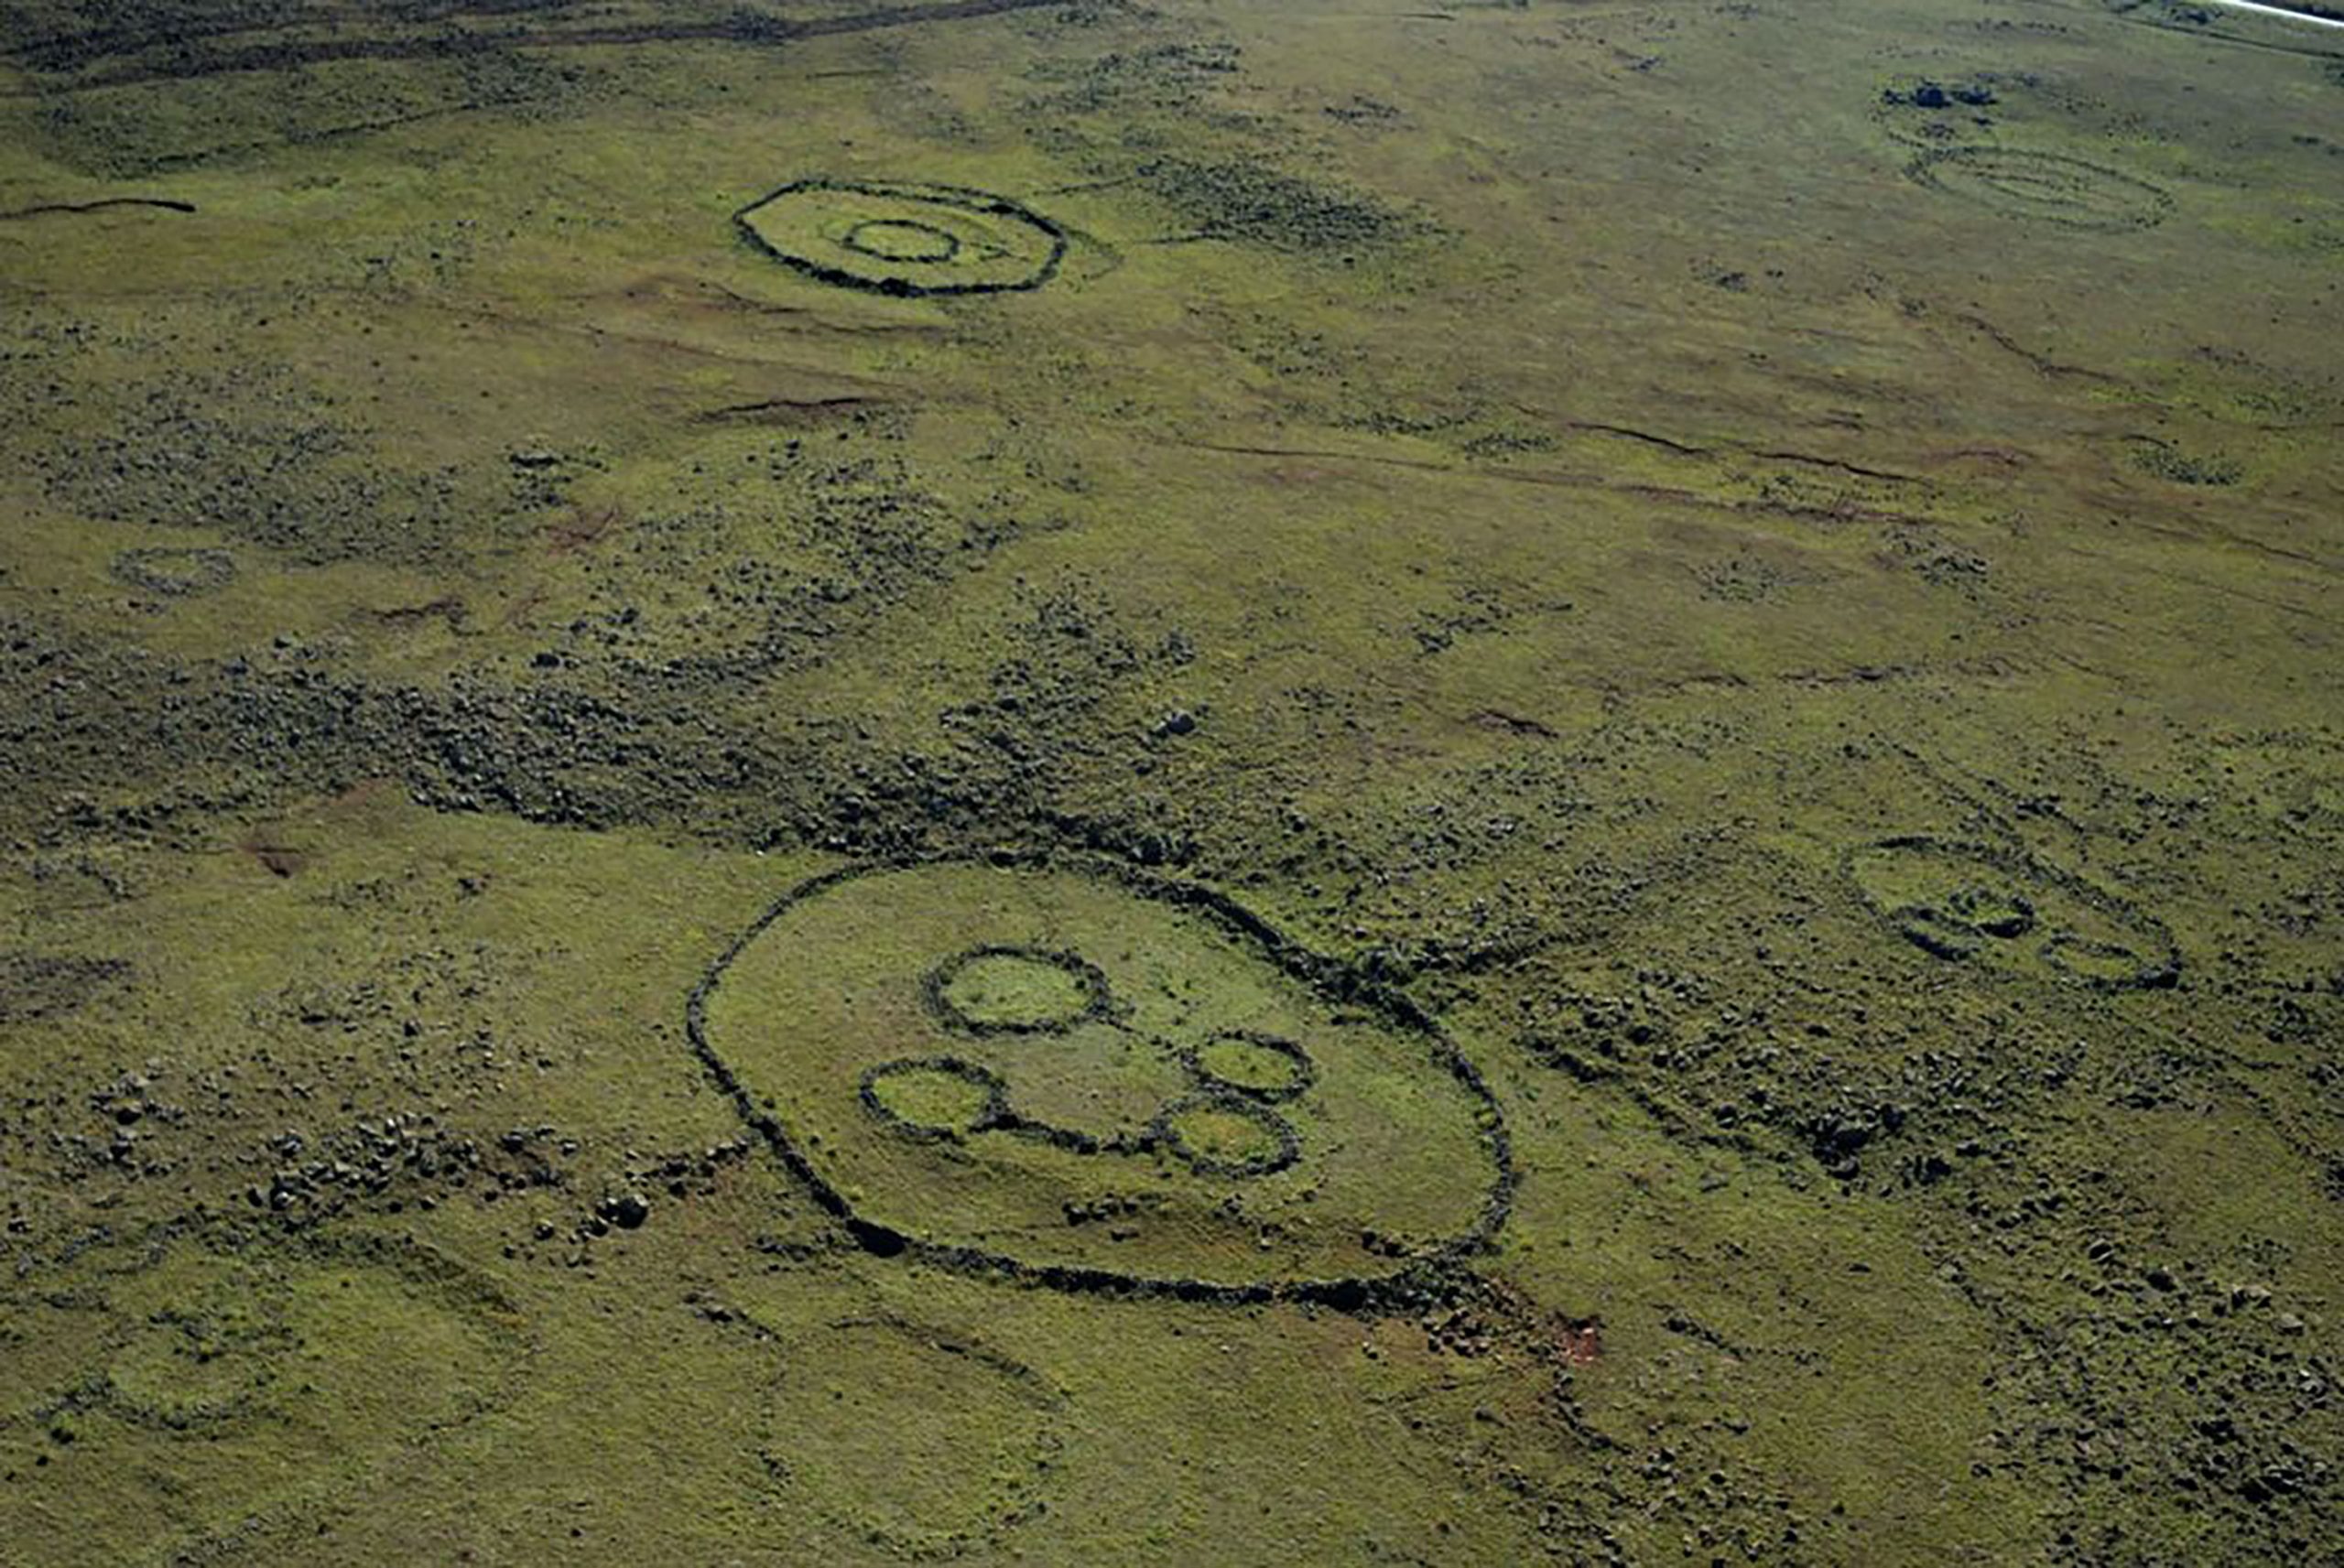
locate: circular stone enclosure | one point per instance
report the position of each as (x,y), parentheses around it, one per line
(935,1097)
(1001,989)
(1253,1113)
(159,1395)
(2050,187)
(1968,902)
(905,239)
(1226,1135)
(898,1436)
(1261,1066)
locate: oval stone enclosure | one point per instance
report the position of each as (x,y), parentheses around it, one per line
(1094,1078)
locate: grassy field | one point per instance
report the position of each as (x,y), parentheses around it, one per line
(876,781)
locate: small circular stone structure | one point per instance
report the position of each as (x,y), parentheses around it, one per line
(1228,1135)
(1994,911)
(905,239)
(2095,962)
(175,573)
(1262,1067)
(1968,917)
(2050,187)
(902,240)
(935,1097)
(1268,1110)
(208,1357)
(1001,989)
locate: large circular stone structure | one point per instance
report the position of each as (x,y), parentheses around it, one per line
(905,239)
(1084,1077)
(2046,186)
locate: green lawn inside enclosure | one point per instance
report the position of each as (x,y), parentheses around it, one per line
(1084,781)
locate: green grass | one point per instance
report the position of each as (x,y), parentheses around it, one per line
(1785,620)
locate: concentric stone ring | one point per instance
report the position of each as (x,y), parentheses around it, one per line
(903,238)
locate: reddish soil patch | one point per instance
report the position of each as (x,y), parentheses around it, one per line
(282,860)
(1581,1341)
(581,526)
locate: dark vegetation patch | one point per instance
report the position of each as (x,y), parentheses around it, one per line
(1928,92)
(805,540)
(2175,465)
(1958,1102)
(1361,110)
(1744,1064)
(167,123)
(643,708)
(1158,76)
(1751,578)
(2145,1381)
(217,44)
(376,1088)
(1242,199)
(2138,1376)
(1153,114)
(36,986)
(252,732)
(126,94)
(1931,111)
(251,464)
(1336,379)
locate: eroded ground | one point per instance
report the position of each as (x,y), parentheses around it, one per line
(1170,783)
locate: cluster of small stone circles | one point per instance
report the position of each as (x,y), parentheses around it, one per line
(1212,1092)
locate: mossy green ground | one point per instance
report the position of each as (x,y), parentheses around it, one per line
(1546,504)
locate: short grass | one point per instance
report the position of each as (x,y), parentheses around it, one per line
(1763,574)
